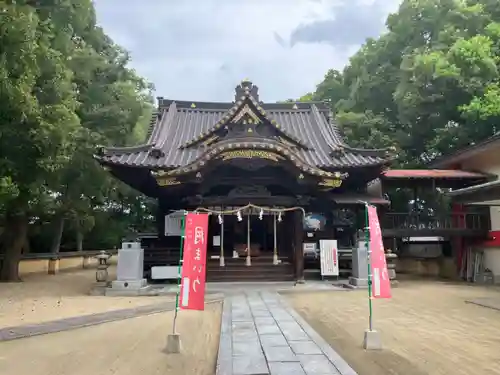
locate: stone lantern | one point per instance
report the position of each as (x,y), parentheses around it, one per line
(101,274)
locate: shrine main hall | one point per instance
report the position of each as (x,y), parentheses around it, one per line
(288,160)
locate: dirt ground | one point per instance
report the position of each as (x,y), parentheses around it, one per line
(426,329)
(127,347)
(41,298)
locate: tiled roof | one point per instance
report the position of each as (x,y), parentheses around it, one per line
(447,161)
(173,136)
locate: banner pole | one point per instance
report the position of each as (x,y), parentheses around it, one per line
(368,263)
(179,272)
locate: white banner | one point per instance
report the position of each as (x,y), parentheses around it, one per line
(329,257)
(173,224)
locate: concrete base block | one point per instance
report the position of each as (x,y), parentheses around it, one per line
(173,344)
(145,291)
(358,282)
(372,340)
(129,284)
(129,288)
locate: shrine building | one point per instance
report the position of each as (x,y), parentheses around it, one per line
(289,161)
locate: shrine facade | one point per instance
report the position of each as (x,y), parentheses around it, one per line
(288,160)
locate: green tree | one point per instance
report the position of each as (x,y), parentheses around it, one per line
(37,120)
(64,87)
(429,85)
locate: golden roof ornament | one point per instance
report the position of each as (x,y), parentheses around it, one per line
(193,105)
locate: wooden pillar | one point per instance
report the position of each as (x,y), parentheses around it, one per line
(298,246)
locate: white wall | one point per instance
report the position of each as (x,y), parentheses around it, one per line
(488,162)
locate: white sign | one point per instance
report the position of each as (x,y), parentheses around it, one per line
(329,257)
(309,247)
(173,224)
(216,241)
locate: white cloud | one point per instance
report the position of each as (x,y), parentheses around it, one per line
(201,49)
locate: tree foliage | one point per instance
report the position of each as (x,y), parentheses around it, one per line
(65,87)
(429,85)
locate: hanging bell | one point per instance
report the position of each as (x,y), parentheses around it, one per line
(238,216)
(261,214)
(279,217)
(220,219)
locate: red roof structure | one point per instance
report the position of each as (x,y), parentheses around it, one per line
(430,173)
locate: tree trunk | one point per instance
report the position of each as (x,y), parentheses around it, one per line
(79,239)
(59,228)
(17,228)
(27,245)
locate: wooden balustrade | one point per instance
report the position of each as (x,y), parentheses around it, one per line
(395,223)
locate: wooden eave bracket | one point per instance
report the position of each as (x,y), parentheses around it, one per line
(283,151)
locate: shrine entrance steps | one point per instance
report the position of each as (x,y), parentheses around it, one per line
(262,269)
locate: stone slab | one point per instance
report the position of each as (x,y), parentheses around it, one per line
(341,365)
(293,331)
(245,335)
(225,354)
(243,326)
(305,347)
(490,303)
(317,365)
(286,368)
(18,332)
(273,340)
(246,365)
(265,321)
(279,354)
(251,348)
(268,329)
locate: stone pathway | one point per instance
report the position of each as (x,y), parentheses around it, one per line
(262,335)
(490,303)
(59,325)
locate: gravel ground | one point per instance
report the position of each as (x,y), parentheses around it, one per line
(41,298)
(427,328)
(127,347)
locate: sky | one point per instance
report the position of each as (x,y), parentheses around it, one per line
(201,49)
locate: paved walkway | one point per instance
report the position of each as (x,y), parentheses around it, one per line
(262,335)
(66,324)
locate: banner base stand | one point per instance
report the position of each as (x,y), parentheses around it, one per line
(173,344)
(372,340)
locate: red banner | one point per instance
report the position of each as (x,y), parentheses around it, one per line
(192,293)
(381,285)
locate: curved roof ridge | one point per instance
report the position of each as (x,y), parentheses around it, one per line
(266,145)
(164,126)
(328,137)
(152,124)
(231,113)
(125,149)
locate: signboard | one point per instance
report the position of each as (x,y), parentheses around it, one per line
(173,224)
(314,221)
(309,247)
(216,240)
(192,293)
(381,285)
(329,257)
